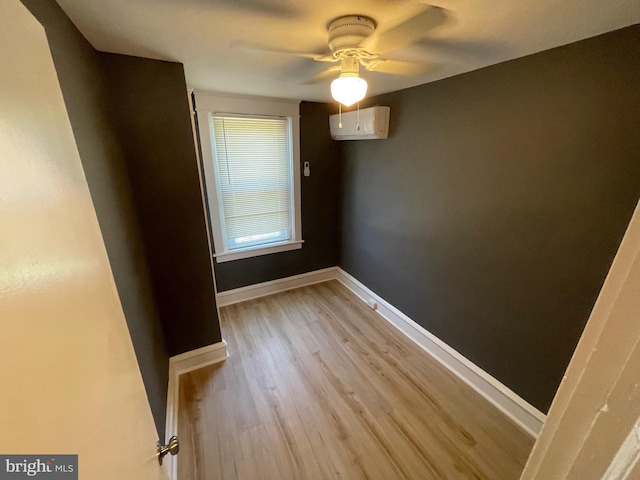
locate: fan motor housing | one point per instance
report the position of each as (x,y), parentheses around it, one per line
(347,32)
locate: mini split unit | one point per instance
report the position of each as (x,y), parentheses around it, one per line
(369,124)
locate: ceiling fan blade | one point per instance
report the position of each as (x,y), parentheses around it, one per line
(270,8)
(321,57)
(331,72)
(327,57)
(405,29)
(396,67)
(460,48)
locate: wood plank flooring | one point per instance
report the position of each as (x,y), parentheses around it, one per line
(319,386)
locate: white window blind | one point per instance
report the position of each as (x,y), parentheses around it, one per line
(253,161)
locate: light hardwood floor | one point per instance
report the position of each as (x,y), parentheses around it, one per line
(319,386)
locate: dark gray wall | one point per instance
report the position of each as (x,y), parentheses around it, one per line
(492,213)
(81,80)
(149,105)
(320,211)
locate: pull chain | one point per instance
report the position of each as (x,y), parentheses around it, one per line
(339,115)
(358,118)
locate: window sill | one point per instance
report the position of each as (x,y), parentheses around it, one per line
(258,251)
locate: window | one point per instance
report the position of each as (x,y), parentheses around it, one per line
(251,165)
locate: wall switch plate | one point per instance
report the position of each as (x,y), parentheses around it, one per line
(307,170)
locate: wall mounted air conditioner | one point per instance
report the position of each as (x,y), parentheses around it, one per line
(374,124)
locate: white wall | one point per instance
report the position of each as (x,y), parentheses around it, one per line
(69,381)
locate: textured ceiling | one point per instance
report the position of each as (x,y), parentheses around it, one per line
(211,37)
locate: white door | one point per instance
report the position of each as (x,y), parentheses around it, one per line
(593,427)
(69,380)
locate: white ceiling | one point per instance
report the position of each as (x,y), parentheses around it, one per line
(210,36)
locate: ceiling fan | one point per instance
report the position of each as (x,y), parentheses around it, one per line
(357,40)
(348,44)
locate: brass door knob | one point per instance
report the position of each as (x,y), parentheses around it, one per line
(173,447)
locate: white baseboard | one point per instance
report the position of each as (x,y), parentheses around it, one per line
(506,400)
(201,357)
(275,286)
(178,365)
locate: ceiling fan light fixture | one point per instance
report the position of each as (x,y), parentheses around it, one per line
(348,89)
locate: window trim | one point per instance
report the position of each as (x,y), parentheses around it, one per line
(208,105)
